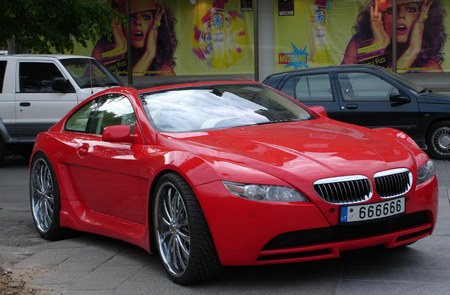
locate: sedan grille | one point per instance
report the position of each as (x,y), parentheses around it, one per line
(393,183)
(344,190)
(357,188)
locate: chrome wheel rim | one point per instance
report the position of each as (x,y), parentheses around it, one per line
(172,229)
(441,140)
(42,195)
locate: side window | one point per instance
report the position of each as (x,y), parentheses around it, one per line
(365,87)
(313,88)
(2,73)
(37,77)
(288,87)
(78,122)
(104,111)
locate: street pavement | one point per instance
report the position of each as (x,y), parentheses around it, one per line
(86,264)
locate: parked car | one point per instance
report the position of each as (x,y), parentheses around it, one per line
(36,90)
(228,173)
(372,96)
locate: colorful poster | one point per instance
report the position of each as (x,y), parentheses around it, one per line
(174,37)
(360,31)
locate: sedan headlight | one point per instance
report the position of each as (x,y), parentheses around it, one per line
(259,192)
(425,172)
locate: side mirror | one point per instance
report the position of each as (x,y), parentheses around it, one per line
(319,110)
(61,85)
(117,133)
(399,99)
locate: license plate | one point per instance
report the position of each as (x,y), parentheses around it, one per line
(372,211)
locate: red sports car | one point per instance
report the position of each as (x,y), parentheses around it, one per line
(221,173)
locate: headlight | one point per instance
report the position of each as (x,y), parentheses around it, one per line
(259,192)
(425,172)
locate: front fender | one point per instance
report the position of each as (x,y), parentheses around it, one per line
(407,141)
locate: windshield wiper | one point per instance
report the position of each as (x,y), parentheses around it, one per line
(425,90)
(276,121)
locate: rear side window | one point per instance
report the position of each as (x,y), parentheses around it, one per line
(309,88)
(37,77)
(2,74)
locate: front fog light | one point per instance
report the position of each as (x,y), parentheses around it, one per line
(260,192)
(425,172)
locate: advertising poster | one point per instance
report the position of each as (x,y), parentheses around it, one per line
(329,32)
(173,37)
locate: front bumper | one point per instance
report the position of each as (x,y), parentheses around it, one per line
(251,233)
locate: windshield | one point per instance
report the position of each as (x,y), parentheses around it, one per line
(410,84)
(219,106)
(89,73)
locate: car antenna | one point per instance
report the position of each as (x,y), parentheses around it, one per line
(90,75)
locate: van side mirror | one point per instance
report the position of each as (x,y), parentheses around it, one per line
(61,85)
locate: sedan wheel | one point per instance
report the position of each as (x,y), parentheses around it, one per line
(438,141)
(44,198)
(181,233)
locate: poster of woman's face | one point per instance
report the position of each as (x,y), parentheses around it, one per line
(174,37)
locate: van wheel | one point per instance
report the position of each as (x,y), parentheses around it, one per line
(438,141)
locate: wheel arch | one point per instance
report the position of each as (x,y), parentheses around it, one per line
(187,176)
(428,137)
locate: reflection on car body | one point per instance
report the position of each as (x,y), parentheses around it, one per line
(372,96)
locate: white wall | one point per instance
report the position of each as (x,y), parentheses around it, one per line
(265,38)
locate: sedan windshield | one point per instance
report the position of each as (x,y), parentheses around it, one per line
(219,106)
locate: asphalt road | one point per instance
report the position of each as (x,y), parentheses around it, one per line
(88,264)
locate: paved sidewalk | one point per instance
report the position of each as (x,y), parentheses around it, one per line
(88,264)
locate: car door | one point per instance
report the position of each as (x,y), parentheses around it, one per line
(37,105)
(313,89)
(105,174)
(365,100)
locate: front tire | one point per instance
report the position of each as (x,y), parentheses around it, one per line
(181,234)
(438,141)
(45,198)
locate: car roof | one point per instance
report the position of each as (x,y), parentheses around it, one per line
(188,82)
(40,56)
(330,68)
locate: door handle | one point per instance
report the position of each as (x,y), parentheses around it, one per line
(25,104)
(352,106)
(83,150)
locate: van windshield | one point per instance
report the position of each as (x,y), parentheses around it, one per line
(88,72)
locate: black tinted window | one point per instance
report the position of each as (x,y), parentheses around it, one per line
(2,74)
(37,77)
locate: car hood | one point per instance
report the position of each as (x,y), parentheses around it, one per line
(434,97)
(317,147)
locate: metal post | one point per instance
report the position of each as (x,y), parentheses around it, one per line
(394,36)
(256,38)
(129,61)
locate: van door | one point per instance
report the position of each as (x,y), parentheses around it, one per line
(37,104)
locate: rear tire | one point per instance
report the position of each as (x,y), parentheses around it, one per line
(438,141)
(181,234)
(45,198)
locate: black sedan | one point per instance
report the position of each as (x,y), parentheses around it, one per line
(372,96)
